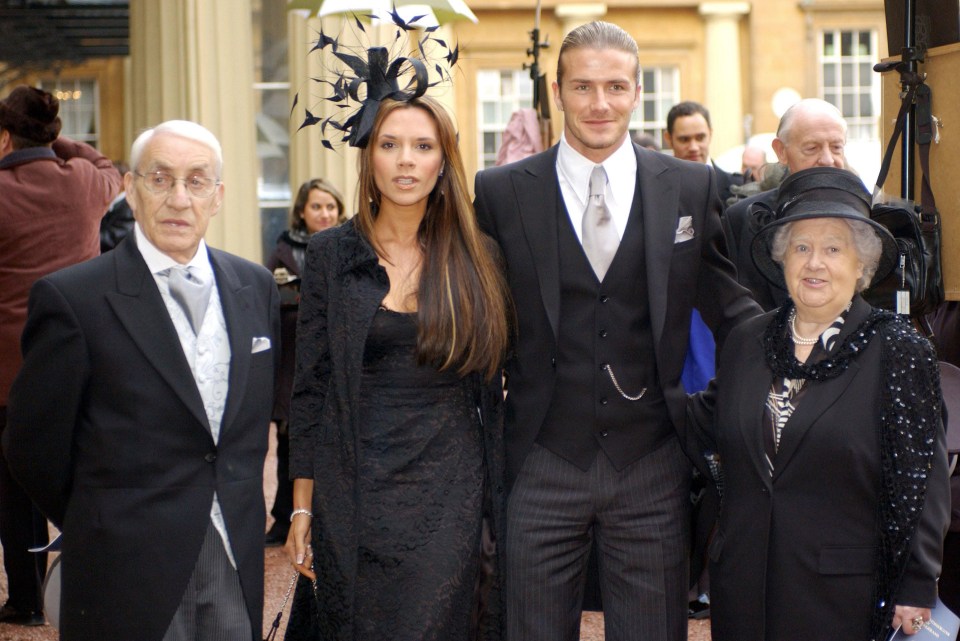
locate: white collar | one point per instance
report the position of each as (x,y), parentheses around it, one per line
(157,261)
(620,166)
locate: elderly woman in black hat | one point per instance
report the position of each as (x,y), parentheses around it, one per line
(828,429)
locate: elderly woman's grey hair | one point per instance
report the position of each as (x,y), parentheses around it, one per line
(865,241)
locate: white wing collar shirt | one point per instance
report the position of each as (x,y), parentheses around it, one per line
(573,173)
(207,352)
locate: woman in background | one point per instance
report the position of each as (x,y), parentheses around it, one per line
(396,433)
(318,206)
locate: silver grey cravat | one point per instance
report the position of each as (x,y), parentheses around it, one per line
(191,294)
(600,239)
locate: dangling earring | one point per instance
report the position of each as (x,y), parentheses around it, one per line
(440,175)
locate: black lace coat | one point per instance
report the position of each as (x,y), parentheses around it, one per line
(343,286)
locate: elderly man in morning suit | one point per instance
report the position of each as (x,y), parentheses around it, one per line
(139,420)
(607,247)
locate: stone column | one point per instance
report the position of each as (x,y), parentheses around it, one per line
(723,94)
(193,60)
(574,15)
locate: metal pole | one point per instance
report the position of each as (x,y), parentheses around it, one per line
(908,142)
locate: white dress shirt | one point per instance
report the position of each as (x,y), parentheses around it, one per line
(207,352)
(573,172)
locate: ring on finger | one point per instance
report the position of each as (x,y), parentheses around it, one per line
(918,623)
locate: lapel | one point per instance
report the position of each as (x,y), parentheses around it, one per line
(755,383)
(660,197)
(819,397)
(537,192)
(143,314)
(238,310)
(362,284)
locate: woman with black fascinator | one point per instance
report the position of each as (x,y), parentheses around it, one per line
(396,433)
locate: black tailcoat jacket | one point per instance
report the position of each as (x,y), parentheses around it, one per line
(107,433)
(520,206)
(740,228)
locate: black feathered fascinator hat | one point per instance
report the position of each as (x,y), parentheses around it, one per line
(367,77)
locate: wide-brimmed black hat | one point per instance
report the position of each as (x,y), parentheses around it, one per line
(819,192)
(31,113)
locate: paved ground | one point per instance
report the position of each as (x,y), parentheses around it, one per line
(278,574)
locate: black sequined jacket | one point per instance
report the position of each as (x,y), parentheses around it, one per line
(342,288)
(803,554)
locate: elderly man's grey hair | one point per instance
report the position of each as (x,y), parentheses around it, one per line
(184,129)
(598,35)
(865,241)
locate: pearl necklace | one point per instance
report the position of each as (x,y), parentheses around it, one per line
(797,338)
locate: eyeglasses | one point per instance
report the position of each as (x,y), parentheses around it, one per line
(160,182)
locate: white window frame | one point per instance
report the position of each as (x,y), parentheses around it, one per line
(863,85)
(77,96)
(490,91)
(652,91)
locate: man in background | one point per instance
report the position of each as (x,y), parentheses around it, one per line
(812,133)
(53,192)
(751,163)
(688,134)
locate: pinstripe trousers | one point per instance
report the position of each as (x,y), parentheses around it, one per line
(639,517)
(212,607)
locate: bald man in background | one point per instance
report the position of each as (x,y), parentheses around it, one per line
(812,133)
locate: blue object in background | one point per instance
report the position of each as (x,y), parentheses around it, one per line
(700,365)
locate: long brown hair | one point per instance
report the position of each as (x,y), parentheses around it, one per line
(462,297)
(303,195)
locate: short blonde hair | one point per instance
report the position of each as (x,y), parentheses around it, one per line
(598,35)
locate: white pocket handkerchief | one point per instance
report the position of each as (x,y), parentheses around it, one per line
(260,344)
(684,230)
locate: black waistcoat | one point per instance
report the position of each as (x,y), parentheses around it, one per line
(604,324)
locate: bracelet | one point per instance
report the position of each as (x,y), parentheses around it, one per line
(300,510)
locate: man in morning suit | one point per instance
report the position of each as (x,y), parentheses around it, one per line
(608,247)
(139,420)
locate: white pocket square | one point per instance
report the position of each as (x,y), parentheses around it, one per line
(260,344)
(684,230)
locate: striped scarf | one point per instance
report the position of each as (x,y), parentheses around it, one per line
(785,393)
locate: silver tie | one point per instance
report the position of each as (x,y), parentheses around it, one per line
(600,239)
(191,293)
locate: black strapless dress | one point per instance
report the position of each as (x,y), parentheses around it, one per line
(420,492)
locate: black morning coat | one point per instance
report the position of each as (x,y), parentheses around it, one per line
(107,433)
